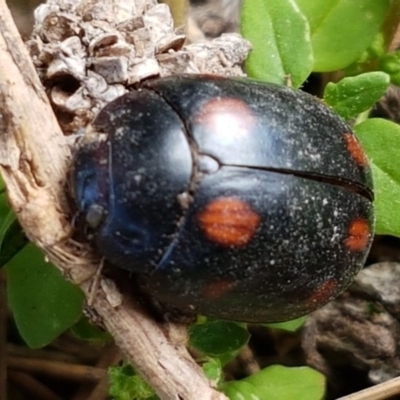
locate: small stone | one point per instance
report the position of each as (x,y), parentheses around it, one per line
(173,62)
(143,70)
(112,69)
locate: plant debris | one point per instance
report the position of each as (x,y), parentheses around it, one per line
(89,53)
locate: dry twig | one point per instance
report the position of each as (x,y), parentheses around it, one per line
(378,392)
(34,160)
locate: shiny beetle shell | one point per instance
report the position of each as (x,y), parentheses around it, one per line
(228,197)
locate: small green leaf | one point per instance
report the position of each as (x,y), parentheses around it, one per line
(44,304)
(4,206)
(390,63)
(125,384)
(381,141)
(278,383)
(280,37)
(342,29)
(216,338)
(6,219)
(2,185)
(13,240)
(351,96)
(12,237)
(290,326)
(85,330)
(240,390)
(213,370)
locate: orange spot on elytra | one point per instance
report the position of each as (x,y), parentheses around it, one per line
(218,288)
(229,221)
(323,292)
(355,149)
(226,116)
(358,236)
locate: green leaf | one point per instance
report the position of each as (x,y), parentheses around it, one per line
(240,390)
(278,383)
(212,369)
(4,206)
(125,384)
(44,304)
(381,141)
(216,338)
(342,29)
(290,326)
(7,217)
(390,63)
(12,240)
(2,185)
(280,37)
(12,237)
(85,330)
(351,96)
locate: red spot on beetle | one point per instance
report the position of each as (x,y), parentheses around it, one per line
(229,221)
(218,288)
(226,117)
(355,149)
(324,292)
(358,235)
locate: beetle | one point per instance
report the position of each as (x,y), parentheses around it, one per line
(227,197)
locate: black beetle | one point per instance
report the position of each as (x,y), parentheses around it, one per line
(228,197)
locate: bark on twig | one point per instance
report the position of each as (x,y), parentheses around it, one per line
(34,160)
